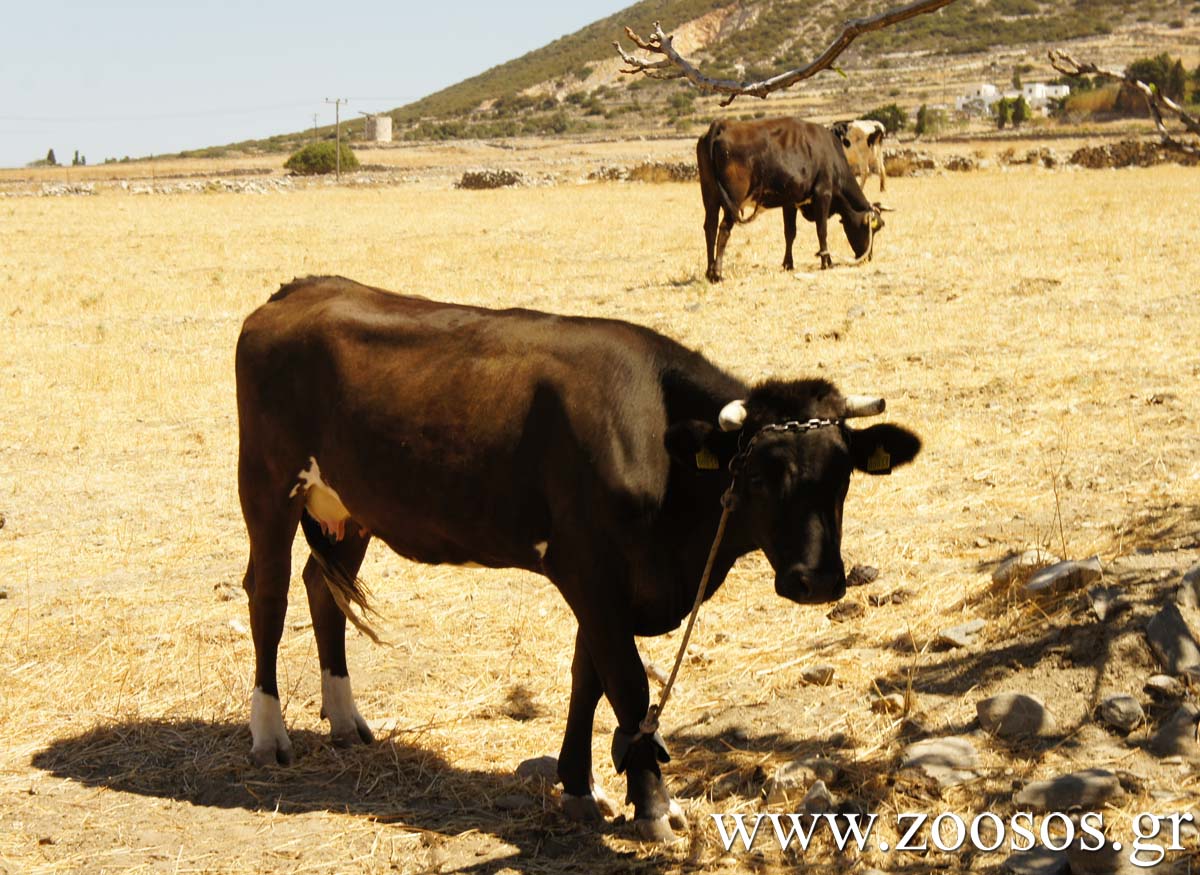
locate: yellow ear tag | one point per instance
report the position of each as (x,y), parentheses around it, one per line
(879,462)
(706,461)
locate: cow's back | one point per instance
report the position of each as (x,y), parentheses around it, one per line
(455,411)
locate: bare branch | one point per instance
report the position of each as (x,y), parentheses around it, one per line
(674,66)
(1155,102)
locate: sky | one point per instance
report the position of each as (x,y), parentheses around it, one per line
(111,79)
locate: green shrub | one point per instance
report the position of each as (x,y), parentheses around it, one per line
(892,117)
(318,158)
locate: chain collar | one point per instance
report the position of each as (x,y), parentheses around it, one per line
(791,425)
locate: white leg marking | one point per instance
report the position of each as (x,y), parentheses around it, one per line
(269,738)
(346,725)
(605,804)
(540,548)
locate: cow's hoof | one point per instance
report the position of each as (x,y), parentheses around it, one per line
(603,802)
(676,817)
(654,829)
(271,755)
(359,733)
(712,277)
(582,809)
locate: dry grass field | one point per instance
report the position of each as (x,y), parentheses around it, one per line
(1038,328)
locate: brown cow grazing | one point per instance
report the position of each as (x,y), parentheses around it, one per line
(780,162)
(591,451)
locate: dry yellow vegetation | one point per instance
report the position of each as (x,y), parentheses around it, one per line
(1037,328)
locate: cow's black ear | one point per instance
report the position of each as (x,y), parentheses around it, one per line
(690,443)
(880,448)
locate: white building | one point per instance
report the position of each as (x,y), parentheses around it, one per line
(982,95)
(980,99)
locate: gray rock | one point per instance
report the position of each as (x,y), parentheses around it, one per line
(513,801)
(1109,859)
(844,611)
(1186,596)
(949,761)
(791,778)
(861,575)
(1163,686)
(1107,601)
(1063,576)
(1177,736)
(545,768)
(892,703)
(1089,789)
(1122,712)
(1172,641)
(818,799)
(1023,563)
(818,675)
(1010,715)
(962,635)
(1039,861)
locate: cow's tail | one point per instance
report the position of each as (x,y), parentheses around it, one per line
(347,590)
(731,208)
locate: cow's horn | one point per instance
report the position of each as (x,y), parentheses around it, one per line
(863,405)
(883,208)
(732,416)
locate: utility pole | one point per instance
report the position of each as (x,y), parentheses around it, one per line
(337,121)
(315,127)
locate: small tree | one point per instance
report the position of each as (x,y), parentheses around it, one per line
(75,160)
(50,159)
(1176,82)
(319,158)
(1004,112)
(1021,112)
(922,121)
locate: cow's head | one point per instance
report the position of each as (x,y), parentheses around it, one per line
(792,453)
(861,228)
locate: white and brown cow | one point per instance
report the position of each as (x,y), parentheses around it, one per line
(863,141)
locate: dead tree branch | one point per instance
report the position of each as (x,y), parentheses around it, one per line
(1155,102)
(672,65)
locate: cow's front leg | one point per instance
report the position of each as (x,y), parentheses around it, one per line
(821,218)
(583,799)
(346,726)
(789,234)
(636,755)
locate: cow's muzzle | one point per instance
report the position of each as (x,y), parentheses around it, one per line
(807,586)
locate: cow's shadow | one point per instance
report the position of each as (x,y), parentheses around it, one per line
(395,782)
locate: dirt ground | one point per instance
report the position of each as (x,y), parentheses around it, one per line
(1037,327)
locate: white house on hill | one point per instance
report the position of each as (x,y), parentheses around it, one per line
(984,96)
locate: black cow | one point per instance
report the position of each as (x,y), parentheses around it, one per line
(592,451)
(780,162)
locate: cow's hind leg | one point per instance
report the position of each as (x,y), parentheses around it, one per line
(789,234)
(712,217)
(346,725)
(267,577)
(722,240)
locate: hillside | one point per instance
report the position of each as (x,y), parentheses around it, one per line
(574,84)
